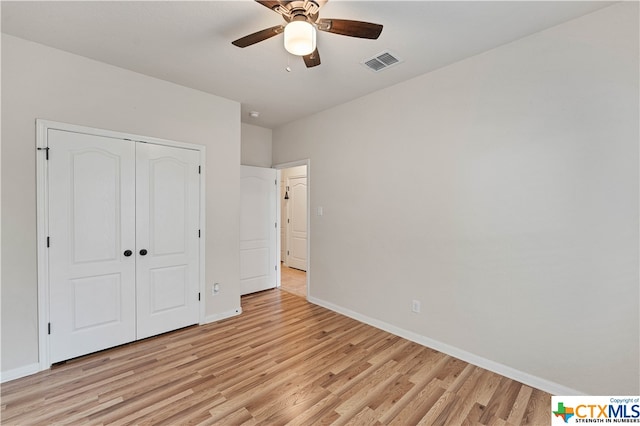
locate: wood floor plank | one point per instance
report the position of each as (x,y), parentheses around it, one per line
(285,406)
(520,405)
(468,393)
(539,402)
(389,397)
(419,406)
(313,415)
(366,390)
(283,361)
(438,413)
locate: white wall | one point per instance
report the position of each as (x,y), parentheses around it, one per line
(40,82)
(501,192)
(256,146)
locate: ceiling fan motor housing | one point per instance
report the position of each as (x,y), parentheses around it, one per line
(299,10)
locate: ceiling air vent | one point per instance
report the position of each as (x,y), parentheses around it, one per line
(381,61)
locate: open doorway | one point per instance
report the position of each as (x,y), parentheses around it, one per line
(294,229)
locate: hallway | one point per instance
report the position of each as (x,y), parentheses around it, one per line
(293,281)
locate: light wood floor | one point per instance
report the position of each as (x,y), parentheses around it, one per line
(283,361)
(293,280)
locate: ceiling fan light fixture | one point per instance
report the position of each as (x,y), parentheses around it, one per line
(299,38)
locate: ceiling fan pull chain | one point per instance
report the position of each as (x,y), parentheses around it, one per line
(288,67)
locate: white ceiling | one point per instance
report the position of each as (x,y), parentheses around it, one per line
(189,43)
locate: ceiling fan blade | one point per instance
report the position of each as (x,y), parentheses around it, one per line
(350,28)
(312,59)
(258,36)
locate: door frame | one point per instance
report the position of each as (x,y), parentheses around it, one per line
(42,216)
(288,165)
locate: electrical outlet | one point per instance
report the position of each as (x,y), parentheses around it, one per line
(415,306)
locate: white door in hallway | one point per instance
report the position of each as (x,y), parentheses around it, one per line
(92,293)
(167,246)
(297,222)
(258,229)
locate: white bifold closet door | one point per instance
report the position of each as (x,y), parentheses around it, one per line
(123,229)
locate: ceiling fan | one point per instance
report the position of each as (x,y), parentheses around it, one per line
(303,19)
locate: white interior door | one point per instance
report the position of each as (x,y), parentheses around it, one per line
(167,247)
(258,226)
(92,239)
(297,222)
(283,216)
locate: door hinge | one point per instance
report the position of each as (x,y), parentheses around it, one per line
(275,182)
(199,169)
(287,220)
(48,328)
(198,233)
(276,225)
(46,150)
(287,252)
(276,267)
(48,241)
(198,296)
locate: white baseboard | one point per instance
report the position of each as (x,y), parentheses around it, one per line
(222,315)
(520,376)
(19,372)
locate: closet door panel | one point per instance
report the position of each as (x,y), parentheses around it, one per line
(167,248)
(91,225)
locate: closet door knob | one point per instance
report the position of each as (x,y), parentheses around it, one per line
(127,253)
(143,252)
